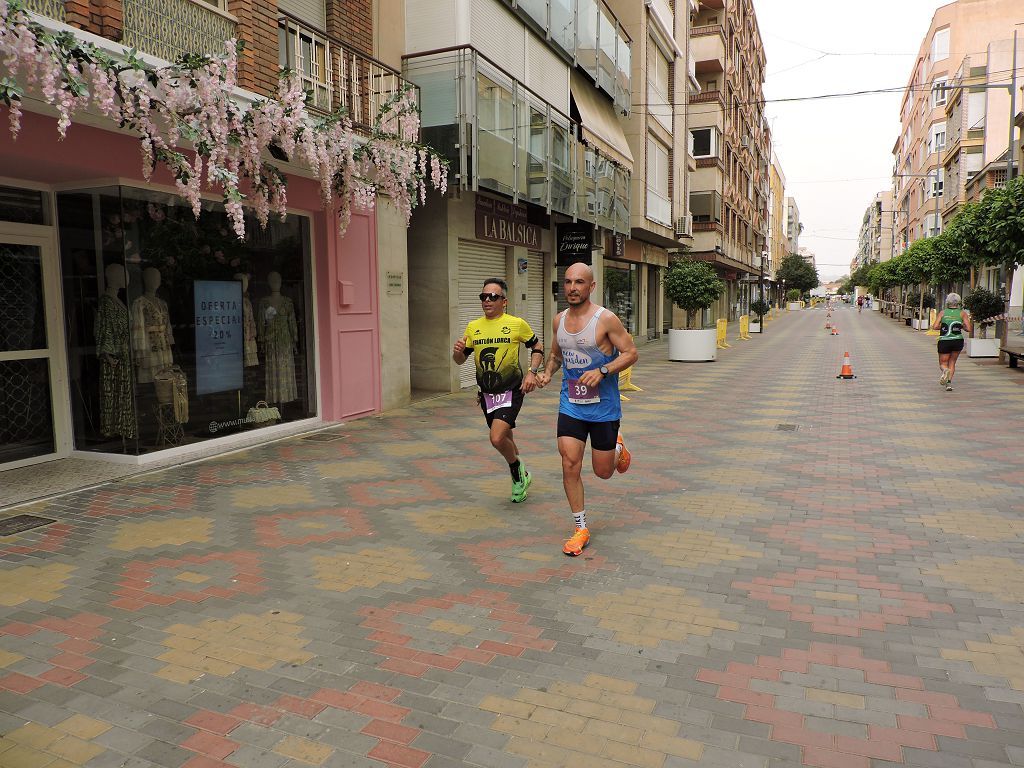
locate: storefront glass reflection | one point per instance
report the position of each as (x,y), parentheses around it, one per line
(622,291)
(176,330)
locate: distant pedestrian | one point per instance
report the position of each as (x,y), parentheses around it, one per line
(860,303)
(594,346)
(494,341)
(951,325)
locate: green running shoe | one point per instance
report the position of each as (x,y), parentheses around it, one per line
(519,489)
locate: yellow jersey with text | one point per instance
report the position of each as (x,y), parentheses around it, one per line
(494,345)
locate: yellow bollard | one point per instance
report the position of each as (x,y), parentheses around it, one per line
(744,327)
(931,321)
(626,381)
(723,328)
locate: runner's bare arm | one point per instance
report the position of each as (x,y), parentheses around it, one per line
(965,317)
(622,340)
(554,358)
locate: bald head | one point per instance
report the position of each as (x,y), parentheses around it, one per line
(579,284)
(579,269)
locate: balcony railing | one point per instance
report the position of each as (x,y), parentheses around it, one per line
(497,134)
(336,75)
(171,28)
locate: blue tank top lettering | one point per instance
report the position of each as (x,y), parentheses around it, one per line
(580,353)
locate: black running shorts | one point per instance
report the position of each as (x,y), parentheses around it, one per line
(602,434)
(508,415)
(950,345)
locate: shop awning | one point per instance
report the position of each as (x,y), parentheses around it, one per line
(601,127)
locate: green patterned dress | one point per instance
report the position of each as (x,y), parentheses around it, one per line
(117,409)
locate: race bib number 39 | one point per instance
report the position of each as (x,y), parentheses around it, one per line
(581,394)
(500,400)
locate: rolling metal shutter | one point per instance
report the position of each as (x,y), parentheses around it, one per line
(313,12)
(477,262)
(535,302)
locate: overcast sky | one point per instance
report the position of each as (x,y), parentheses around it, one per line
(837,153)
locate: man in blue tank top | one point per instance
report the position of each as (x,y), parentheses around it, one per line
(593,346)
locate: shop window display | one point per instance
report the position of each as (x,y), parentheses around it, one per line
(177,331)
(621,291)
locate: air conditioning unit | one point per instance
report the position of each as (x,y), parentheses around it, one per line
(745,141)
(684,226)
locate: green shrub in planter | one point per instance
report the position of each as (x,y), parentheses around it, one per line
(693,286)
(983,303)
(760,308)
(793,294)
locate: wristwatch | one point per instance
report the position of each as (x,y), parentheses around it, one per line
(604,370)
(536,370)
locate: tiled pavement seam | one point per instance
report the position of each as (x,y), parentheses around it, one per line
(848,593)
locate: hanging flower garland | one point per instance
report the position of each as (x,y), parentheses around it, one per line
(191,102)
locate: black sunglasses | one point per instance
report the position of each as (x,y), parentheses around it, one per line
(491,296)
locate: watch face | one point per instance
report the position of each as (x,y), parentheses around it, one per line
(604,370)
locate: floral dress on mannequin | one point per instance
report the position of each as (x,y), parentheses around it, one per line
(151,336)
(278,334)
(117,408)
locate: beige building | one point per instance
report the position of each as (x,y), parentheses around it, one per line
(778,243)
(655,130)
(874,243)
(955,112)
(793,226)
(732,146)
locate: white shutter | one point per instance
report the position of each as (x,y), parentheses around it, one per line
(313,12)
(494,29)
(477,262)
(535,302)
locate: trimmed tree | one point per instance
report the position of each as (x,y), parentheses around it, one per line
(797,273)
(692,286)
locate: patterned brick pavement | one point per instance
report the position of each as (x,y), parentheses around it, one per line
(846,591)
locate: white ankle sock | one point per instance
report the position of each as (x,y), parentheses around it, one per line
(580,518)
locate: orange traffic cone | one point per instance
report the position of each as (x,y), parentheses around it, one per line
(828,324)
(847,370)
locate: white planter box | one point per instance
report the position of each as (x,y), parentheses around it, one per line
(981,347)
(919,325)
(692,346)
(792,306)
(755,327)
(876,307)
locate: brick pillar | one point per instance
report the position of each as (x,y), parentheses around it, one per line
(110,15)
(78,13)
(351,21)
(257,29)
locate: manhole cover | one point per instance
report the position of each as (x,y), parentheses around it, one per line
(321,437)
(12,525)
(785,427)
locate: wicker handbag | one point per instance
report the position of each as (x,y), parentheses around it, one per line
(263,414)
(172,389)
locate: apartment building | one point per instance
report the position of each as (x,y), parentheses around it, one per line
(955,112)
(532,103)
(808,255)
(793,226)
(732,146)
(778,243)
(874,241)
(113,278)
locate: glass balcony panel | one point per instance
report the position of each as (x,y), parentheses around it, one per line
(437,79)
(606,58)
(536,9)
(622,189)
(561,168)
(605,192)
(623,90)
(496,130)
(563,24)
(586,47)
(538,165)
(586,183)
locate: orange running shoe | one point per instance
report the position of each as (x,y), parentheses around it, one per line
(576,542)
(624,458)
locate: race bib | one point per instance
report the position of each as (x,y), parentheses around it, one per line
(581,394)
(500,400)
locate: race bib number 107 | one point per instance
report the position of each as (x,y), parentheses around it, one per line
(494,402)
(581,394)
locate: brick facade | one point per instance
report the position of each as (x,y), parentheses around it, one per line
(257,29)
(351,21)
(101,17)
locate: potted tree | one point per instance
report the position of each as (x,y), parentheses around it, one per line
(692,286)
(760,307)
(793,299)
(982,304)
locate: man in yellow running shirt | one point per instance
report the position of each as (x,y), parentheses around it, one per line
(494,341)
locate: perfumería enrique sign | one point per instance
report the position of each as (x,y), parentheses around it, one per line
(501,222)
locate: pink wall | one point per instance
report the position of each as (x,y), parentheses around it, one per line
(346,267)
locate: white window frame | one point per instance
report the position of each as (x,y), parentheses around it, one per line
(937,182)
(714,141)
(940,45)
(658,102)
(937,130)
(940,94)
(659,170)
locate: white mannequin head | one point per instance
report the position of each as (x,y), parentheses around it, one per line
(116,277)
(274,281)
(243,279)
(151,279)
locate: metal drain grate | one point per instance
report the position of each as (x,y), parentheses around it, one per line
(12,525)
(321,437)
(786,427)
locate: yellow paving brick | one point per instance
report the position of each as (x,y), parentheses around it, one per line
(75,750)
(192,578)
(177,674)
(451,627)
(588,745)
(548,753)
(623,734)
(633,755)
(182,643)
(649,722)
(7,658)
(559,719)
(504,706)
(621,701)
(610,683)
(591,761)
(834,697)
(594,710)
(516,726)
(83,727)
(573,691)
(303,750)
(550,700)
(35,736)
(673,745)
(26,757)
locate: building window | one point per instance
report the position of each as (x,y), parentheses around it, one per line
(939,92)
(705,142)
(622,291)
(940,45)
(937,138)
(658,103)
(659,204)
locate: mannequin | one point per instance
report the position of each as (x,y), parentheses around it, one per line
(117,409)
(151,330)
(250,356)
(278,334)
